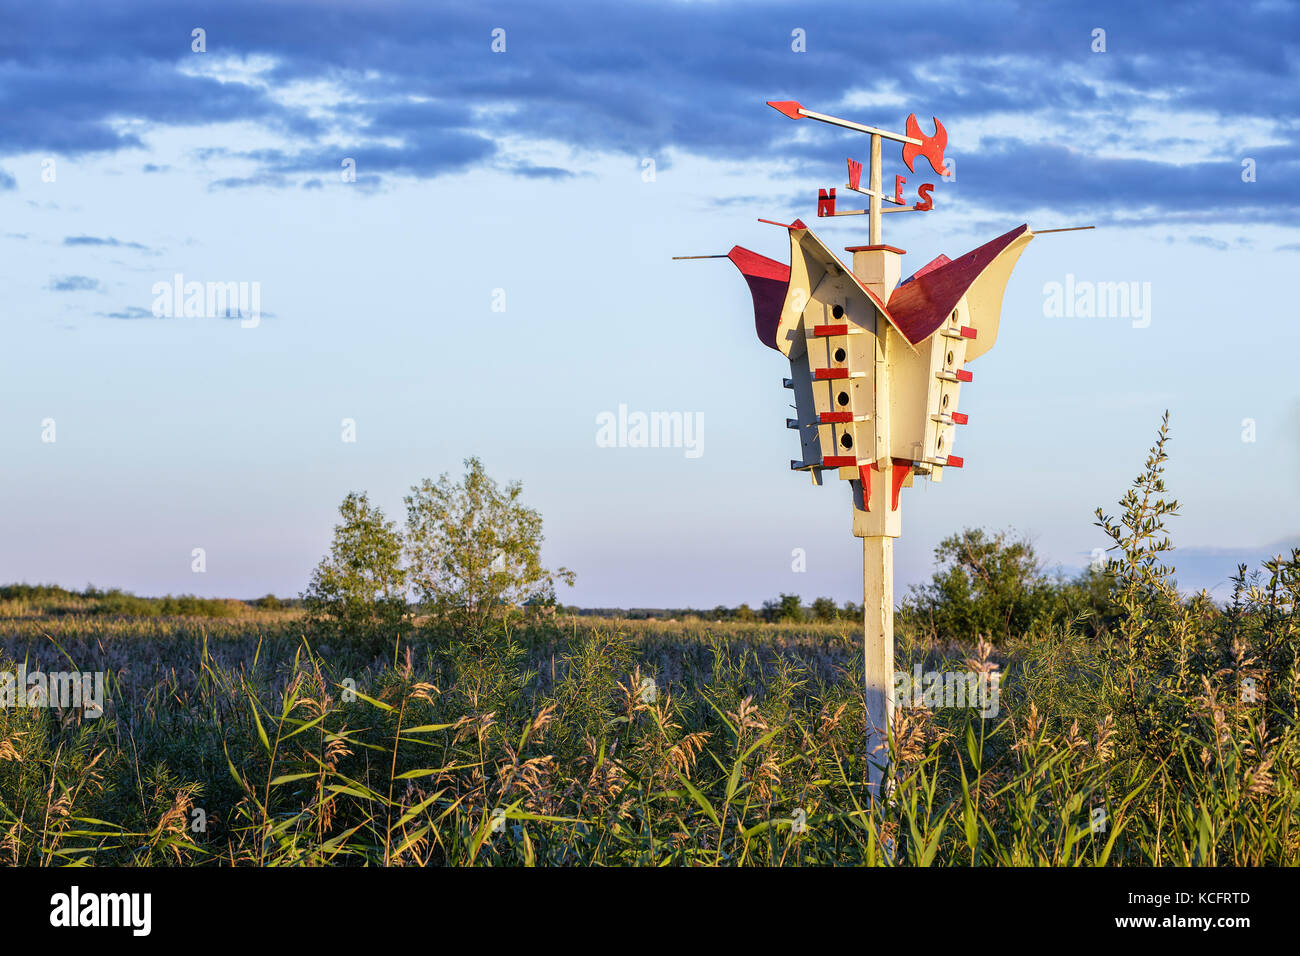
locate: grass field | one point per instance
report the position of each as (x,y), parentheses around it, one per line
(237,741)
(1141,726)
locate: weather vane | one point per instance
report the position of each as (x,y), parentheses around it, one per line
(877,366)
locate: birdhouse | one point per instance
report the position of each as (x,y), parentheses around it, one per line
(877,366)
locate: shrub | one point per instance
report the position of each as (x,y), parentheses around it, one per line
(787,607)
(475,549)
(360,586)
(824,609)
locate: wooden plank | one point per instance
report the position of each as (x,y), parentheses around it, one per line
(873,204)
(878,638)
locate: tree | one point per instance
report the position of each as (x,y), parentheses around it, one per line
(745,613)
(360,585)
(788,607)
(824,609)
(474,549)
(990,585)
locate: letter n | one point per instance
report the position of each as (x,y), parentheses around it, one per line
(826,202)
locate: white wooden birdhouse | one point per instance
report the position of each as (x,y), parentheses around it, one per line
(877,366)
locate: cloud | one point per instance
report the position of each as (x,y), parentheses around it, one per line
(136,312)
(1154,129)
(102,241)
(7,180)
(239,182)
(73,284)
(530,171)
(129,312)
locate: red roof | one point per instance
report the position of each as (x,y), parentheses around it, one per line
(767,281)
(918,306)
(922,303)
(936,262)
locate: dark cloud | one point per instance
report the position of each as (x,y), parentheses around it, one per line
(102,241)
(426,96)
(530,171)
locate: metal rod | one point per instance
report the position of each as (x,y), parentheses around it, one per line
(1043,232)
(849,124)
(701,257)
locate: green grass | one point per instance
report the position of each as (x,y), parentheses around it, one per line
(250,723)
(1168,737)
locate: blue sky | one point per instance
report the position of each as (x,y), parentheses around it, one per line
(525,171)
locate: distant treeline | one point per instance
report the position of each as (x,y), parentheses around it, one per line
(786,607)
(985,585)
(52,599)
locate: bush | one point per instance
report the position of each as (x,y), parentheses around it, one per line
(788,607)
(474,549)
(993,586)
(359,588)
(990,585)
(824,609)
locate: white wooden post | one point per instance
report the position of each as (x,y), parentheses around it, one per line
(878,635)
(878,269)
(907,400)
(873,204)
(880,526)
